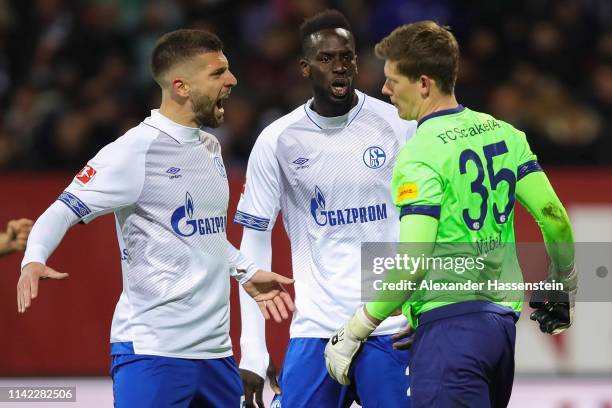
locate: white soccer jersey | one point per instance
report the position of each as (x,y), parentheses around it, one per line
(167,185)
(331,179)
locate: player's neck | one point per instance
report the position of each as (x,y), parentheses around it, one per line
(327,109)
(440,103)
(180,114)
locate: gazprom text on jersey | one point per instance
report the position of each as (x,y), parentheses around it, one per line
(353,215)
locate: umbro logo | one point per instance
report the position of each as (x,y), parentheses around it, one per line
(300,162)
(173,172)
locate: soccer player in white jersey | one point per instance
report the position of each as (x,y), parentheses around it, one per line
(166,183)
(327,166)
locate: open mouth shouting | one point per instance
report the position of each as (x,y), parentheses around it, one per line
(340,87)
(219,106)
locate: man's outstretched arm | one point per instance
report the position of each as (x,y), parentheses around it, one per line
(419,231)
(265,287)
(46,234)
(536,193)
(344,345)
(554,310)
(255,362)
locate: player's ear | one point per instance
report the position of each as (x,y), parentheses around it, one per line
(180,87)
(356,65)
(425,84)
(305,68)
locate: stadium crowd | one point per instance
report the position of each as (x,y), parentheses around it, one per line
(74,75)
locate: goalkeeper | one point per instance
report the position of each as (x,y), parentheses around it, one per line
(455,184)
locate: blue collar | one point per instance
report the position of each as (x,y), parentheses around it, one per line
(458,109)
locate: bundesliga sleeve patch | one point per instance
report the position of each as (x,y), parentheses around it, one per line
(84,176)
(407,191)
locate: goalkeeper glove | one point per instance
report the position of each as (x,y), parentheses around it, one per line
(554,309)
(343,346)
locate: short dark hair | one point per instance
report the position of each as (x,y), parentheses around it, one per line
(177,46)
(324,20)
(423,48)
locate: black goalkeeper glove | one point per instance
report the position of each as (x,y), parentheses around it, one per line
(554,309)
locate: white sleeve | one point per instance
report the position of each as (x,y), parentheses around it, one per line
(254,354)
(47,233)
(259,202)
(241,268)
(257,211)
(404,129)
(112,180)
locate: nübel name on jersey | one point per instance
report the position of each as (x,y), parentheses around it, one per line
(351,215)
(185,225)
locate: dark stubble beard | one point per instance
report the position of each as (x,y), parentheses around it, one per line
(204,110)
(340,106)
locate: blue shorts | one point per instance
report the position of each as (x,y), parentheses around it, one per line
(379,377)
(146,381)
(463,356)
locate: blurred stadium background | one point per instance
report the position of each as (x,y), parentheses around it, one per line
(74,76)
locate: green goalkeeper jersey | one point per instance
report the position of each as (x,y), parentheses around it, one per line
(462,168)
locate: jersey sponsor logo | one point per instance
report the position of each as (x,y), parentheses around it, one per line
(351,215)
(276,403)
(86,174)
(220,167)
(374,157)
(406,192)
(476,129)
(173,172)
(185,225)
(301,163)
